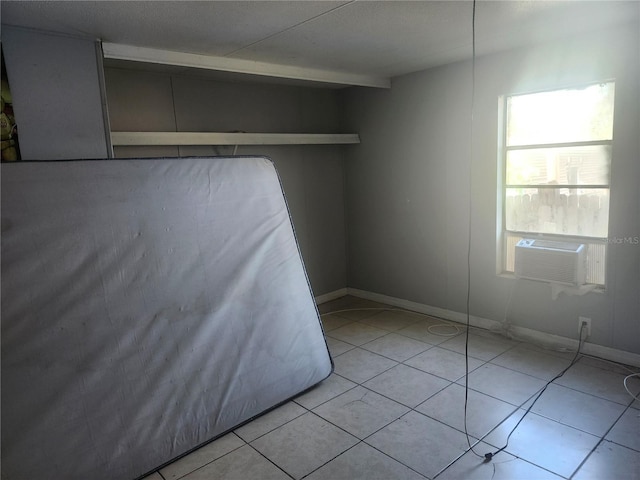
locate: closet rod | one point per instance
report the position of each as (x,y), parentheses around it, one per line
(215,138)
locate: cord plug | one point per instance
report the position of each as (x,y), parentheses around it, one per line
(488,457)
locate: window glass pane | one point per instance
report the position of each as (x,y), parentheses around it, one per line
(586,165)
(566,211)
(561,116)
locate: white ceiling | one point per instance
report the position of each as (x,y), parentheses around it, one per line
(379,38)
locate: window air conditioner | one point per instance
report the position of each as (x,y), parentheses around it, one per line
(551,261)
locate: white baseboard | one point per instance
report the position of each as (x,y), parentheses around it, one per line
(327,297)
(546,340)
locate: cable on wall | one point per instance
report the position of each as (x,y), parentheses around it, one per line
(487,457)
(470,210)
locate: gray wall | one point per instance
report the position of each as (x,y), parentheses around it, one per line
(312,176)
(55,87)
(408,188)
(406,191)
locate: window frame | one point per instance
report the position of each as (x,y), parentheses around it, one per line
(504,234)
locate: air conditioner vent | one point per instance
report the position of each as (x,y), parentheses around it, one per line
(551,261)
(570,247)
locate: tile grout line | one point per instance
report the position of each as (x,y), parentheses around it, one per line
(392,458)
(629,368)
(413,409)
(602,439)
(363,440)
(517,408)
(429,347)
(209,462)
(422,414)
(579,428)
(451,382)
(485,362)
(270,461)
(542,416)
(275,428)
(327,401)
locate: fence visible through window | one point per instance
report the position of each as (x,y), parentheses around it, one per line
(556,164)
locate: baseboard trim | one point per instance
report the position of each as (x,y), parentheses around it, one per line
(546,340)
(327,297)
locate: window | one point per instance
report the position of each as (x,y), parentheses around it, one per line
(556,163)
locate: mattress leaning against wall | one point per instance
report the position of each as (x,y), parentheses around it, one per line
(148,306)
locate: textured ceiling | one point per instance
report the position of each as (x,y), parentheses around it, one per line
(384,38)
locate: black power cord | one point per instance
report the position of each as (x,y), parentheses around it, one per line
(487,457)
(470,207)
(490,455)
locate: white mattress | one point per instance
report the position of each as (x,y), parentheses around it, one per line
(148,306)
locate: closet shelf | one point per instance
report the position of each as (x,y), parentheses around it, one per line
(220,138)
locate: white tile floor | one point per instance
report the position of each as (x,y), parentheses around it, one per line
(393,409)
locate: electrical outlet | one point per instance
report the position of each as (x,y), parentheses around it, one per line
(587,329)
